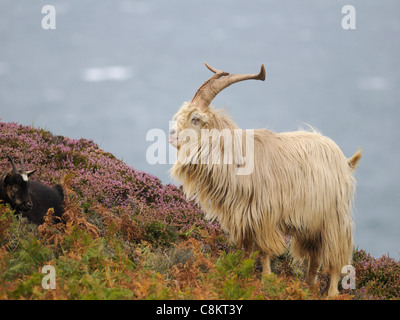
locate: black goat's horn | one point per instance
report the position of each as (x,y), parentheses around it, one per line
(13,164)
(22,163)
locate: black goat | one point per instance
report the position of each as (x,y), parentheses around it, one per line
(32,199)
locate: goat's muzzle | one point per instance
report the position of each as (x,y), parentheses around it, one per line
(25,206)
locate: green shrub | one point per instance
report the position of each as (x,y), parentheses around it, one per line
(160,234)
(29,256)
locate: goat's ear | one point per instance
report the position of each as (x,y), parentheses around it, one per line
(29,173)
(7,179)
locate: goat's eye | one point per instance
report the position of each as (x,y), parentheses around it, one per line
(195,120)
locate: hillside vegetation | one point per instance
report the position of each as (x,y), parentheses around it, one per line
(125,235)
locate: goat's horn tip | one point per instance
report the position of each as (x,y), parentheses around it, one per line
(216,71)
(262,73)
(208,66)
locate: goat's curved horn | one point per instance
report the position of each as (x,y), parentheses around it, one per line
(13,164)
(218,82)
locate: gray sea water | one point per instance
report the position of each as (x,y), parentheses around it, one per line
(113,70)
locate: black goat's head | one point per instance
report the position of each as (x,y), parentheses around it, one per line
(16,186)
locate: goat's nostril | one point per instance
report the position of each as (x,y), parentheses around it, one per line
(172,131)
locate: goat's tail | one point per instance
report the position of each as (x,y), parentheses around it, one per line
(60,190)
(353,161)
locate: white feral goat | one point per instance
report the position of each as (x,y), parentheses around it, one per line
(301,185)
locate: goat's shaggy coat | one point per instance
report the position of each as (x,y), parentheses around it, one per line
(302,185)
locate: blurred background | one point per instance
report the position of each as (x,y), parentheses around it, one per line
(113,70)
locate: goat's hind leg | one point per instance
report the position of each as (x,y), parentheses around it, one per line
(313,267)
(333,283)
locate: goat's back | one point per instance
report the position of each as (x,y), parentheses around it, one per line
(301,171)
(309,186)
(43,198)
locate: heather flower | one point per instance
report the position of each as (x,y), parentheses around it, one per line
(377,277)
(98,177)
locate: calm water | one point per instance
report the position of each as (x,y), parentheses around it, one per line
(113,70)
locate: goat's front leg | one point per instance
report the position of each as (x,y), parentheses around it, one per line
(266,264)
